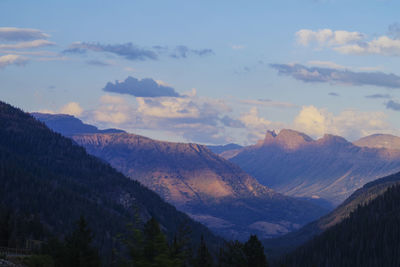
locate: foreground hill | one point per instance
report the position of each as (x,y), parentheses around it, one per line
(361,197)
(330,168)
(49,178)
(368,236)
(209,188)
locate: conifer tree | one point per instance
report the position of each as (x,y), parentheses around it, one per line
(204,258)
(79,251)
(254,252)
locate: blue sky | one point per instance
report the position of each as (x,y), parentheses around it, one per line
(207,71)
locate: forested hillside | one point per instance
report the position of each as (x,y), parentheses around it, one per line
(370,236)
(50,181)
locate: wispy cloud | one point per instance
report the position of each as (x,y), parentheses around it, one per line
(12,60)
(268,103)
(128,50)
(133,52)
(141,88)
(375,96)
(393,105)
(100,63)
(183,51)
(27,45)
(337,76)
(21,34)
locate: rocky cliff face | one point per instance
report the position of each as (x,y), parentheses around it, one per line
(330,167)
(203,184)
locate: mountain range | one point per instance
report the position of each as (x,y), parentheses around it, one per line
(328,168)
(208,187)
(50,180)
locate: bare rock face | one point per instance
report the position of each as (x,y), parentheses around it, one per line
(208,187)
(330,168)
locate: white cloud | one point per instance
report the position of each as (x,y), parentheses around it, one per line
(327,37)
(349,123)
(12,60)
(256,126)
(381,46)
(72,108)
(346,42)
(112,109)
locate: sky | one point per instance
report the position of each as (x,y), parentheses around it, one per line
(210,72)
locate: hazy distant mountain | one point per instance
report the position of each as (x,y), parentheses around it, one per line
(387,141)
(330,167)
(69,125)
(362,196)
(364,231)
(49,178)
(218,149)
(199,182)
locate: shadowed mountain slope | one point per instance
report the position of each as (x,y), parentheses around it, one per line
(361,197)
(368,234)
(330,168)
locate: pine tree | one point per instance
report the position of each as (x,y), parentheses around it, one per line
(204,258)
(79,252)
(254,252)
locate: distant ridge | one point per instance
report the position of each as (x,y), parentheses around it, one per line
(330,168)
(69,125)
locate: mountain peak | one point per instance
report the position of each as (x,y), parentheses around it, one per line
(269,138)
(332,139)
(292,139)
